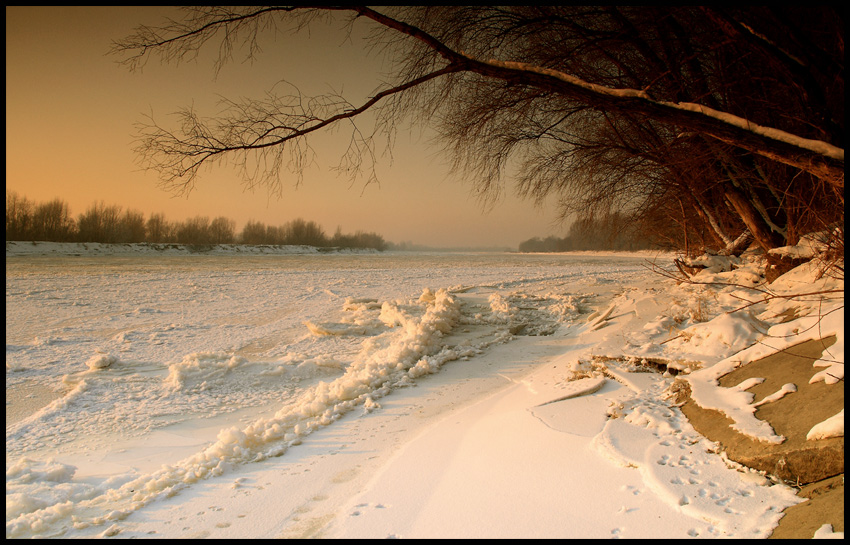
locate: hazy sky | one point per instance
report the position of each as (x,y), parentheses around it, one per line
(71,109)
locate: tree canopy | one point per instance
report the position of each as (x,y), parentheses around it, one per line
(725,122)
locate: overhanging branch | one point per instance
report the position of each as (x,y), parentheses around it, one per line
(819,158)
(180,157)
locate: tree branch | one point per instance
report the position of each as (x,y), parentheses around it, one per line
(180,157)
(819,158)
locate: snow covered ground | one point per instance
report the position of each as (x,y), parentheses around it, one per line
(154,392)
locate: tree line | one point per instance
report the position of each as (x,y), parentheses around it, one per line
(615,232)
(52,221)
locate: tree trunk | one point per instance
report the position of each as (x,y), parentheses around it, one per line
(739,245)
(708,216)
(764,236)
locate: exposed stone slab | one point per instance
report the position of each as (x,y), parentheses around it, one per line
(796,460)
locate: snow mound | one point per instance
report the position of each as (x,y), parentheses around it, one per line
(100,361)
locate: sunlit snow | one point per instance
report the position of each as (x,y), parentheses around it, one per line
(152,392)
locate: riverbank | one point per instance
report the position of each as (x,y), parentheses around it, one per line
(148,248)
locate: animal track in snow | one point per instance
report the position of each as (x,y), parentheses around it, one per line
(360,508)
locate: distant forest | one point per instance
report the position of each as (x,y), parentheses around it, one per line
(52,222)
(614,232)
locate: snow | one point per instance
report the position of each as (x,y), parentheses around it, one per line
(157,392)
(809,246)
(131,249)
(826,532)
(820,319)
(831,427)
(817,146)
(788,388)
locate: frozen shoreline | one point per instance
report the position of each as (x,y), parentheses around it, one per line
(18,248)
(15,249)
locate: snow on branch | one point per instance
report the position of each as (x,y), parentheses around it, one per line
(815,146)
(821,159)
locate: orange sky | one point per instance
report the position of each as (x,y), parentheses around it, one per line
(70,111)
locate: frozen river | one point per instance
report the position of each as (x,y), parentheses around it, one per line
(109,354)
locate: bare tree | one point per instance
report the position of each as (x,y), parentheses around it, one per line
(254,232)
(100,223)
(302,232)
(158,229)
(606,107)
(222,230)
(54,221)
(48,221)
(133,228)
(195,231)
(19,216)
